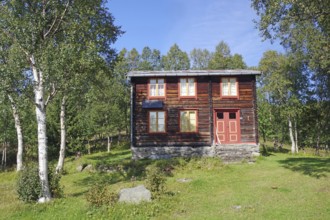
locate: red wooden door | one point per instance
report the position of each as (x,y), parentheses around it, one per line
(227,126)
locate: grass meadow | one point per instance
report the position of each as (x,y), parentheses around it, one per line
(277,186)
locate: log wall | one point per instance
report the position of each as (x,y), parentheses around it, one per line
(207,99)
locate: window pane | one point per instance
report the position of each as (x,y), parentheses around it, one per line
(225,90)
(152,81)
(161,90)
(183,121)
(161,128)
(152,122)
(192,115)
(233,87)
(192,121)
(232,115)
(160,81)
(191,82)
(161,115)
(192,126)
(152,90)
(153,115)
(183,87)
(220,115)
(152,128)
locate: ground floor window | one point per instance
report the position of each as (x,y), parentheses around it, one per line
(156,121)
(188,121)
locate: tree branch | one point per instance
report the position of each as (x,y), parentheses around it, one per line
(59,23)
(51,95)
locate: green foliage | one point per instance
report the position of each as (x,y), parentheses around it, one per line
(29,186)
(176,59)
(200,59)
(300,25)
(100,195)
(155,181)
(283,90)
(222,59)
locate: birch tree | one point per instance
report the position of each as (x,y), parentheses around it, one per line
(39,30)
(283,82)
(176,59)
(200,58)
(14,81)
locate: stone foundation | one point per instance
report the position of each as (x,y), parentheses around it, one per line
(228,152)
(237,152)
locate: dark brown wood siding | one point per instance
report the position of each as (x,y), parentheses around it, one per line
(204,105)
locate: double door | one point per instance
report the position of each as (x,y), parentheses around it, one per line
(227,128)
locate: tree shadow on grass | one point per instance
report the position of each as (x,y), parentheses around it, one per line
(127,170)
(314,167)
(267,151)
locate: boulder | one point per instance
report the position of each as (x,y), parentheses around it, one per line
(135,195)
(89,167)
(80,168)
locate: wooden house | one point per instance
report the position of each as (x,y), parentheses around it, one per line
(194,113)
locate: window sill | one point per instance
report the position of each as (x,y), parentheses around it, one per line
(156,97)
(157,133)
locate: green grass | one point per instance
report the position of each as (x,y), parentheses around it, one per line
(277,186)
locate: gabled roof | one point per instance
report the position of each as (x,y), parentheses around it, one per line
(192,73)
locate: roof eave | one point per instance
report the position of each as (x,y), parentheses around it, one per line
(192,73)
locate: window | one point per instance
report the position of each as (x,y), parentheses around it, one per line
(229,87)
(188,121)
(156,121)
(157,88)
(232,115)
(220,115)
(187,87)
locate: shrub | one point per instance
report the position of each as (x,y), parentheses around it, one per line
(155,181)
(100,195)
(29,186)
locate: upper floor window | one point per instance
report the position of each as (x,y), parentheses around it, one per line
(187,87)
(156,121)
(188,121)
(157,87)
(229,87)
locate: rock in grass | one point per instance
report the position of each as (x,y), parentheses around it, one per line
(89,167)
(135,195)
(237,207)
(80,168)
(184,180)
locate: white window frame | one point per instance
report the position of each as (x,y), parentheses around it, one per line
(187,87)
(158,88)
(229,87)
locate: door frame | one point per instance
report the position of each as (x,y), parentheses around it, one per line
(237,111)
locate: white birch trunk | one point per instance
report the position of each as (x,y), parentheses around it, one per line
(60,163)
(109,143)
(296,135)
(42,136)
(4,155)
(19,133)
(293,146)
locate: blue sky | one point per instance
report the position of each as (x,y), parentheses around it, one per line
(190,24)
